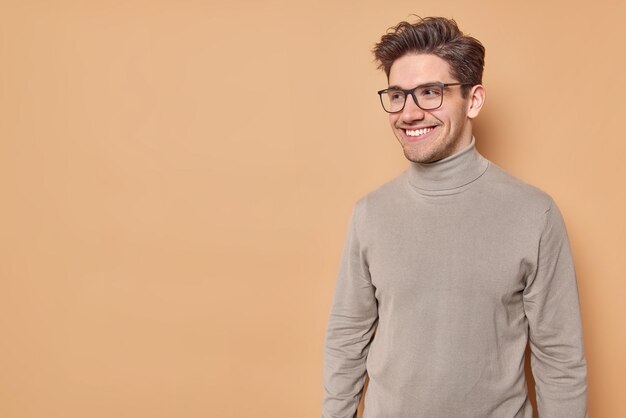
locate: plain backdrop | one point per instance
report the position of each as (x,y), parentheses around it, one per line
(176,179)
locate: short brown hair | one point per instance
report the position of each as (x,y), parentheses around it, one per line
(438,36)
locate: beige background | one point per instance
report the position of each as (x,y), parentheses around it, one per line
(176,179)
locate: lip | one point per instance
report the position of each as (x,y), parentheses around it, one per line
(421,137)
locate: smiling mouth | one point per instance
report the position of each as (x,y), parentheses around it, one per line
(418,132)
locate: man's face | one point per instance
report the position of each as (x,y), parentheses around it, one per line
(427,136)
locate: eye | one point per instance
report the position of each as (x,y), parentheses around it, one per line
(430,92)
(396,96)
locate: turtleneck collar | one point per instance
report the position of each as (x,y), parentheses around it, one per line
(450,173)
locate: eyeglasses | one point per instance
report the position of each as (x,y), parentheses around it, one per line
(426,97)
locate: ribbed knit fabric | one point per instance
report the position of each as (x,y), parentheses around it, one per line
(448,270)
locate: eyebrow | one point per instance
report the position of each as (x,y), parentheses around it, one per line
(430,83)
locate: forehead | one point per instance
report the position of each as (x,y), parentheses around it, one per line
(411,70)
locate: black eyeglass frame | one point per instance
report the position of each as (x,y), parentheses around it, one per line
(412,93)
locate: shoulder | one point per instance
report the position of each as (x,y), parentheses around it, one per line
(511,191)
(384,198)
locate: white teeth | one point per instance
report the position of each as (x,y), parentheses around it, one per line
(418,132)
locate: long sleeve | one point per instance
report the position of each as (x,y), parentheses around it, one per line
(351,326)
(552,308)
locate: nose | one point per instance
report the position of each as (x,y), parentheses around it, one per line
(411,111)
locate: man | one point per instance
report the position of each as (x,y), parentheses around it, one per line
(450,269)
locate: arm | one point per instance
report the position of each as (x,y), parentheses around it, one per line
(351,325)
(555,334)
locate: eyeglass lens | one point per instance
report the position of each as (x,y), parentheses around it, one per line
(428,98)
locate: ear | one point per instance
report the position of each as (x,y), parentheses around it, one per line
(477,99)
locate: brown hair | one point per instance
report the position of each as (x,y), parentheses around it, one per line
(438,36)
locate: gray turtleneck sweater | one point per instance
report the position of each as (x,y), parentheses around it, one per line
(447,272)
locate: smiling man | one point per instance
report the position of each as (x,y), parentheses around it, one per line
(452,268)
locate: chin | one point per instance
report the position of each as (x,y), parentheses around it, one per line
(427,155)
(423,159)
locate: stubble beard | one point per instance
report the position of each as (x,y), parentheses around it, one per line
(443,146)
(427,158)
(430,154)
